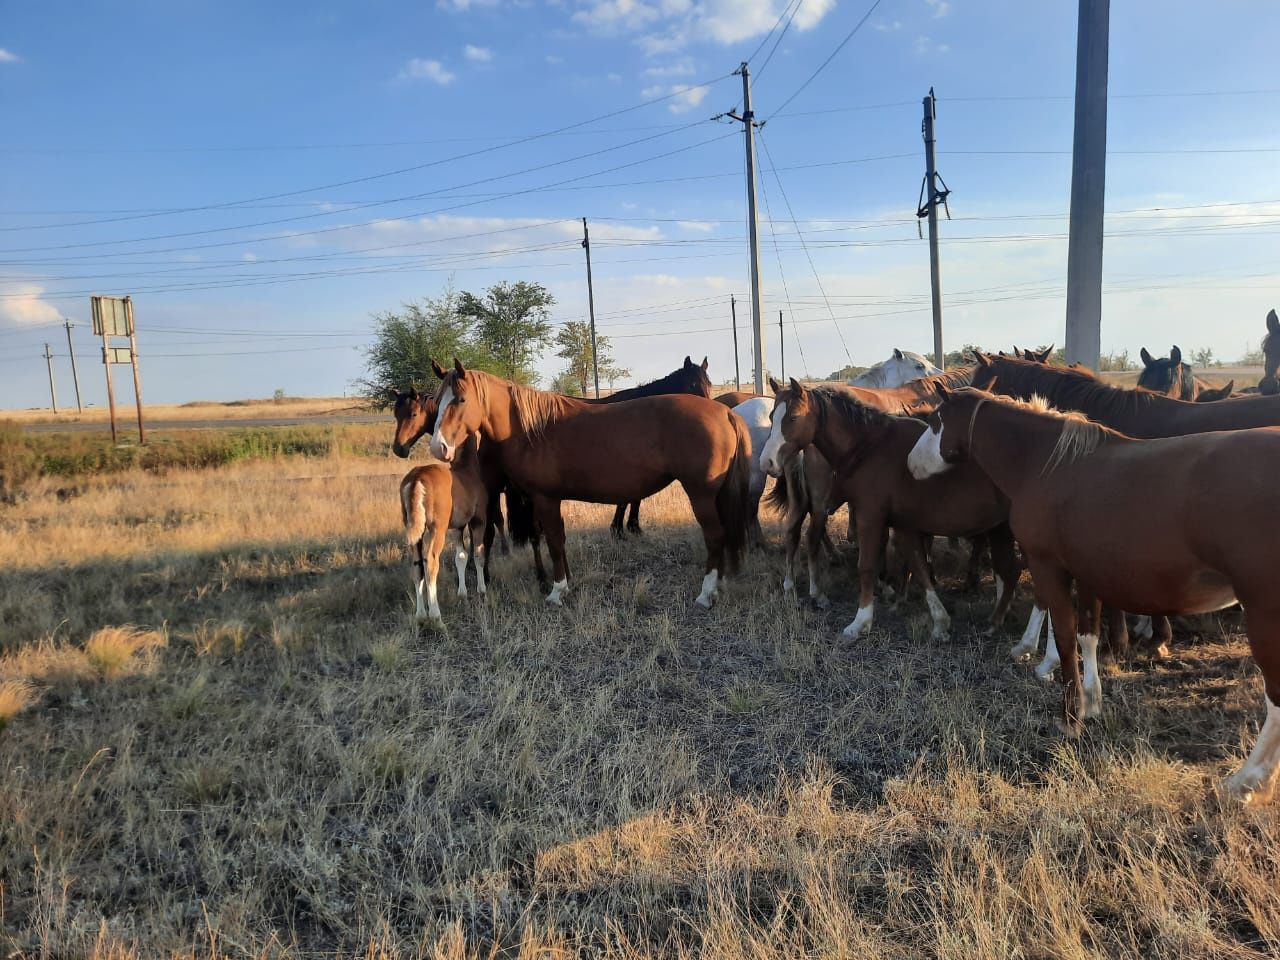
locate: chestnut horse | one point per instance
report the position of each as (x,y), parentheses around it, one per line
(689,378)
(868,450)
(557,448)
(415,415)
(434,499)
(735,398)
(1173,378)
(1084,509)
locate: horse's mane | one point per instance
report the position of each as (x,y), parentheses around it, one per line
(828,399)
(535,409)
(1080,436)
(948,379)
(653,388)
(1069,388)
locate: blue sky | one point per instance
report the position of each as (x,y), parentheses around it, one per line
(326,162)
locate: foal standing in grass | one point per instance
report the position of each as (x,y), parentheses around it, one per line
(1083,508)
(434,499)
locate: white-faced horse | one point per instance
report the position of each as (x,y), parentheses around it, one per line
(903,367)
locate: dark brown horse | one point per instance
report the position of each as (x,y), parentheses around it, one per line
(415,415)
(1172,377)
(690,378)
(558,448)
(868,451)
(1083,509)
(1135,413)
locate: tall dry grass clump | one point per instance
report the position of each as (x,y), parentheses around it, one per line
(114,651)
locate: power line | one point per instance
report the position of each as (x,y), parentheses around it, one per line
(840,46)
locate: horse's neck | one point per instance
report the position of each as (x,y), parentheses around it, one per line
(992,447)
(870,378)
(843,444)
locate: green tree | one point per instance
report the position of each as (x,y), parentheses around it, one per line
(567,384)
(573,342)
(404,343)
(1203,357)
(847,372)
(512,322)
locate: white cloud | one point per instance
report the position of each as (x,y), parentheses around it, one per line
(477,54)
(249,256)
(682,68)
(927,45)
(462,6)
(940,7)
(553,59)
(672,24)
(685,99)
(433,70)
(697,226)
(613,15)
(884,27)
(8,56)
(613,77)
(22,305)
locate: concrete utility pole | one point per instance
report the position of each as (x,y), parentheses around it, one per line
(733,314)
(933,198)
(757,319)
(48,361)
(591,307)
(1088,186)
(782,350)
(75,377)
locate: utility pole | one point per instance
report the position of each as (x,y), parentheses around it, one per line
(106,363)
(782,350)
(133,358)
(591,306)
(930,197)
(749,133)
(48,361)
(733,314)
(1088,186)
(74,375)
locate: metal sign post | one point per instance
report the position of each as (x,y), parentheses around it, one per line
(113,317)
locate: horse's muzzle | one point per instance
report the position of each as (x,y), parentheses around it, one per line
(400,450)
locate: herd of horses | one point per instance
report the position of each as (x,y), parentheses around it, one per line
(1146,500)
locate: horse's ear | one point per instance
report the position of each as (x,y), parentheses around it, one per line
(775,386)
(1216,393)
(1147,359)
(1175,355)
(438,370)
(688,362)
(1044,355)
(704,364)
(394,394)
(943,393)
(797,387)
(897,354)
(459,369)
(982,358)
(413,392)
(1273,322)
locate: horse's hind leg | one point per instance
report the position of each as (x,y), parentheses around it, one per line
(419,581)
(912,545)
(1004,565)
(460,558)
(1116,649)
(708,517)
(478,526)
(436,546)
(549,519)
(493,525)
(813,541)
(1255,781)
(1089,617)
(633,522)
(615,526)
(1053,585)
(872,537)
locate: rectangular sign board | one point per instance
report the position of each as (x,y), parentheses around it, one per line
(117,355)
(112,314)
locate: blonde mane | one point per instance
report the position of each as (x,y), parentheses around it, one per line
(537,409)
(1079,438)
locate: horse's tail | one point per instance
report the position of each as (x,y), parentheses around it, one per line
(413,507)
(732,498)
(520,520)
(790,490)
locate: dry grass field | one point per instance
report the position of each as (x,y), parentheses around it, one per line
(126,412)
(221,735)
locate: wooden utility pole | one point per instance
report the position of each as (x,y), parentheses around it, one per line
(53,393)
(733,315)
(75,376)
(591,306)
(782,350)
(111,393)
(133,358)
(933,198)
(1088,186)
(757,318)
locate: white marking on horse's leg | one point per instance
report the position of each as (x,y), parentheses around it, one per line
(815,588)
(768,456)
(478,553)
(1142,627)
(433,600)
(1092,680)
(460,561)
(999,589)
(558,590)
(708,595)
(862,621)
(1030,642)
(420,611)
(788,585)
(941,619)
(1255,781)
(925,459)
(1051,660)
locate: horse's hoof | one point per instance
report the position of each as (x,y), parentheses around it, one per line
(636,531)
(705,602)
(617,533)
(821,601)
(1071,729)
(1020,651)
(1246,791)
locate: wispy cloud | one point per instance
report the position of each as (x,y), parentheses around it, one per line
(22,305)
(462,6)
(553,59)
(668,26)
(940,8)
(433,70)
(685,97)
(477,54)
(8,56)
(927,45)
(681,68)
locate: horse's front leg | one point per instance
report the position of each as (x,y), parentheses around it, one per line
(873,533)
(615,526)
(912,544)
(708,517)
(633,522)
(1004,566)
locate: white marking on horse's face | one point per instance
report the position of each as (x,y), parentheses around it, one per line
(925,459)
(770,462)
(439,448)
(1255,780)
